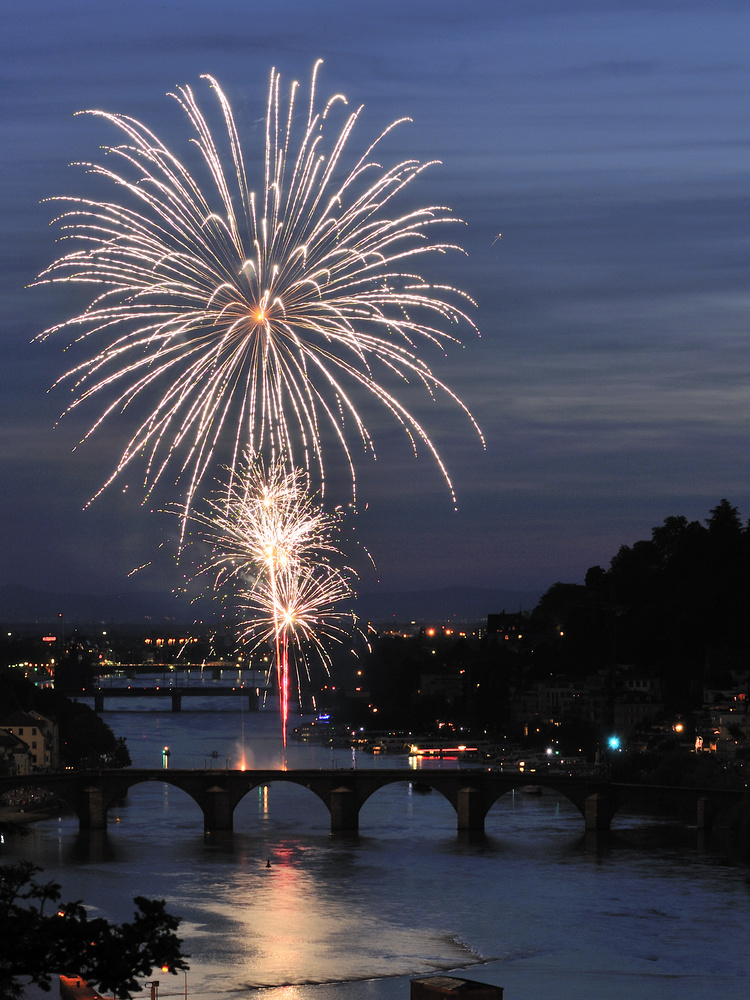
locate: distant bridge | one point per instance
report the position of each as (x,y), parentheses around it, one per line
(251,692)
(471,792)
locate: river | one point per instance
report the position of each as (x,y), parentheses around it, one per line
(535,906)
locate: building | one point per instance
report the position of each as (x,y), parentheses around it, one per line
(15,756)
(39,735)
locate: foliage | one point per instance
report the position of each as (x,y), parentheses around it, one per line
(85,739)
(38,945)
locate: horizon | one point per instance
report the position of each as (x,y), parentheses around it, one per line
(79,611)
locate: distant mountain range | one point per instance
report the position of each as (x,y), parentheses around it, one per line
(24,605)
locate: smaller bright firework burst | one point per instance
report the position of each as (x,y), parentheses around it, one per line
(269,536)
(296,613)
(262,520)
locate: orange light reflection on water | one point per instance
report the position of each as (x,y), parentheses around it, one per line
(299,928)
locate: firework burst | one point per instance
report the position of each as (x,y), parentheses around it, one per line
(263,520)
(243,320)
(296,612)
(274,541)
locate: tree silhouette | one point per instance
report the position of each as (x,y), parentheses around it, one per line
(36,945)
(675,606)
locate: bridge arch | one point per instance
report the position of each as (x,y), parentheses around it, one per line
(549,808)
(522,786)
(274,802)
(412,799)
(156,797)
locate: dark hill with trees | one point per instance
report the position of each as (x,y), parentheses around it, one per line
(675,606)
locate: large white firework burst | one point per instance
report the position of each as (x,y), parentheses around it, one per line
(248,318)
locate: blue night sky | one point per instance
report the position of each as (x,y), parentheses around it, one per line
(607,141)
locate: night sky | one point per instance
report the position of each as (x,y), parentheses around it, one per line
(607,141)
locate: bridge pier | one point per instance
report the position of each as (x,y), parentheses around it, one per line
(98,701)
(470,809)
(705,813)
(176,701)
(92,813)
(344,811)
(218,811)
(598,812)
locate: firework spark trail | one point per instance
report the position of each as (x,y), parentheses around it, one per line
(247,321)
(268,533)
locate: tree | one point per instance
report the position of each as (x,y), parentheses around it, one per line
(725,521)
(37,945)
(674,607)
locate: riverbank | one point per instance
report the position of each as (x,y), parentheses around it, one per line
(21,815)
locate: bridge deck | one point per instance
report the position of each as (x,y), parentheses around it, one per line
(199,691)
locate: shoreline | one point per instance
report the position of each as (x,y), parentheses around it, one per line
(23,817)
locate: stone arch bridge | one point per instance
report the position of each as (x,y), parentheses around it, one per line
(471,792)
